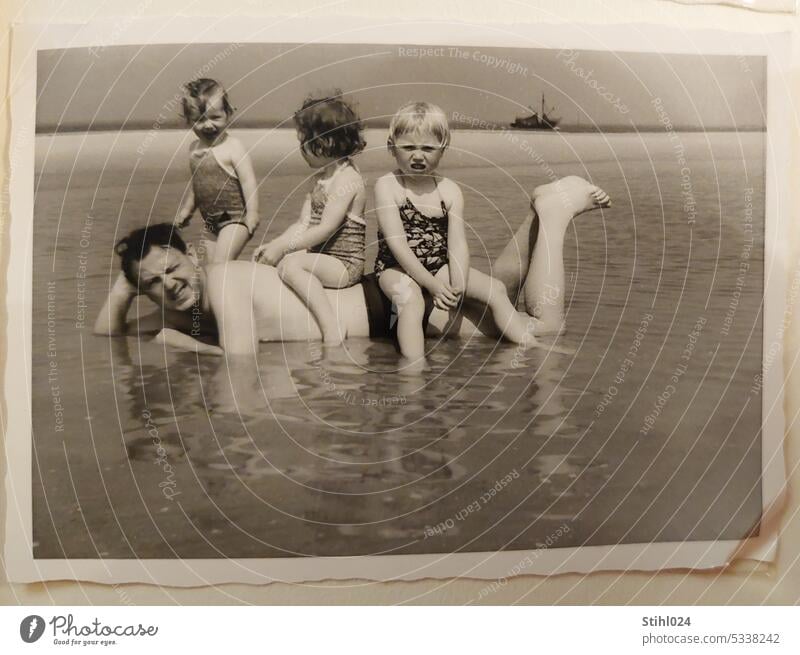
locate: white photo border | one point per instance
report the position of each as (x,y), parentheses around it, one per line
(28,39)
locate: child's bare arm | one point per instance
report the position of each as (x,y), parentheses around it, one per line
(187,207)
(294,231)
(341,195)
(457,246)
(273,251)
(392,227)
(247,179)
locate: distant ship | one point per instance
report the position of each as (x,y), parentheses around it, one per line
(537,121)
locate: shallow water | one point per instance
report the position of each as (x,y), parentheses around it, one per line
(328,452)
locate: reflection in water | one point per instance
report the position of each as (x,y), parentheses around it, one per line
(336,423)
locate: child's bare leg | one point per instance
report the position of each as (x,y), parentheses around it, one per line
(556,205)
(513,325)
(205,250)
(307,274)
(230,243)
(407,298)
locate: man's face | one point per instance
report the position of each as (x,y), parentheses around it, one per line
(170,278)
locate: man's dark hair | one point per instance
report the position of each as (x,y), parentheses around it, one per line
(138,243)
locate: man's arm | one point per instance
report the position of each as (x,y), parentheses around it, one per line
(182,341)
(112,319)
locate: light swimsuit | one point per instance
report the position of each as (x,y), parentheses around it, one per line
(217,191)
(426,236)
(347,244)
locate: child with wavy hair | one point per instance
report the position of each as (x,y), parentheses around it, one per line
(224,187)
(422,242)
(325,247)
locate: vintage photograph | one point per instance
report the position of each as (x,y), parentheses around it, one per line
(302,300)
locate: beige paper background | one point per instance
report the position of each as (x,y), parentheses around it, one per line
(779,583)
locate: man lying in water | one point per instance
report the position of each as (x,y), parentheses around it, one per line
(243,303)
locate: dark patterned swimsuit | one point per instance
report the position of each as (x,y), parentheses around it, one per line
(426,236)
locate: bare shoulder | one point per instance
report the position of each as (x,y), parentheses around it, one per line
(233,144)
(351,175)
(231,149)
(388,186)
(349,180)
(450,191)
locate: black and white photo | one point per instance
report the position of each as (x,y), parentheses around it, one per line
(360,307)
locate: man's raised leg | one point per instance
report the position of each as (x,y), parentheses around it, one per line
(541,238)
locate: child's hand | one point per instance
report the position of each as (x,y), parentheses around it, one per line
(182,221)
(270,253)
(251,221)
(444,296)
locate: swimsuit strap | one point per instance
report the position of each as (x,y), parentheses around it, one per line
(405,188)
(441,200)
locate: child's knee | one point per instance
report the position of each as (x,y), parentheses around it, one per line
(413,306)
(402,290)
(286,267)
(409,297)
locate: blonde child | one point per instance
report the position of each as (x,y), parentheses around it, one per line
(224,185)
(422,240)
(325,247)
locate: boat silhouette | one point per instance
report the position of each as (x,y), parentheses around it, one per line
(537,120)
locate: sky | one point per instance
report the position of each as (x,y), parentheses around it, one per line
(137,86)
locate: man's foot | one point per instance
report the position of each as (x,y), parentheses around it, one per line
(569,197)
(543,328)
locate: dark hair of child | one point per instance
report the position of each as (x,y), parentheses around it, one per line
(329,127)
(198,92)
